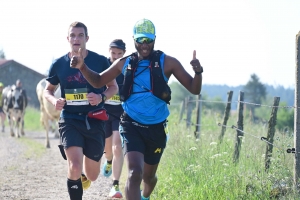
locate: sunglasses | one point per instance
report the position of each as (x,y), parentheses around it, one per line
(141,40)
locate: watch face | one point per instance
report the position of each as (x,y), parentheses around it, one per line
(103,97)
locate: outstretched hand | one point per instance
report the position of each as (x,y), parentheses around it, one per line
(196,64)
(77,60)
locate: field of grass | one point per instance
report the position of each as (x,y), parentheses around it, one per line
(204,168)
(32,120)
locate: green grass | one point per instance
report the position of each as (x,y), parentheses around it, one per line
(32,120)
(204,168)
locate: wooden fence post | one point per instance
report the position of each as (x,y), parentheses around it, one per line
(297,114)
(198,123)
(226,115)
(240,126)
(182,110)
(189,105)
(271,133)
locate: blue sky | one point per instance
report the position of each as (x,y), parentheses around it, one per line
(233,38)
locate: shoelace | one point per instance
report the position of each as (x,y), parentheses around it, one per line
(108,167)
(116,187)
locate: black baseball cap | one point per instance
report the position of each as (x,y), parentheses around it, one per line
(118,43)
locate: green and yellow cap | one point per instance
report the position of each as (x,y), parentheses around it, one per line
(144,28)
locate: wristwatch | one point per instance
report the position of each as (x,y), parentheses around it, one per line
(103,97)
(201,70)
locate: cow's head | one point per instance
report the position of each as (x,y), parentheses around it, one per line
(18,99)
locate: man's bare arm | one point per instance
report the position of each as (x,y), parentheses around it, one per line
(49,95)
(192,84)
(112,89)
(99,80)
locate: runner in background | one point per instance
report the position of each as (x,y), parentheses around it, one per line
(113,147)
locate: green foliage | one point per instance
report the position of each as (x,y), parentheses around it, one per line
(262,112)
(254,90)
(285,115)
(285,119)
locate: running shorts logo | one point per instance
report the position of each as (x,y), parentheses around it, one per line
(74,187)
(158,150)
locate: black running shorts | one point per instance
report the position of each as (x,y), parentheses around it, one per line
(112,124)
(149,140)
(73,132)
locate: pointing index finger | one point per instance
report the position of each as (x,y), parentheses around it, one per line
(77,53)
(194,54)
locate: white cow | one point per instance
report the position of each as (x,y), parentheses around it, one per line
(14,101)
(49,115)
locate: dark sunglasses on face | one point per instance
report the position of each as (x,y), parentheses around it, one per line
(141,40)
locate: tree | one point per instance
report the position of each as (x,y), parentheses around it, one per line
(2,55)
(255,92)
(285,119)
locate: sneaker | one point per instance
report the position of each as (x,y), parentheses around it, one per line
(144,198)
(106,169)
(86,183)
(115,192)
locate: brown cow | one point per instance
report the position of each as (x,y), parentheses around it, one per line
(49,115)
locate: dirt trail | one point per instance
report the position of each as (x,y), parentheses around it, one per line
(39,178)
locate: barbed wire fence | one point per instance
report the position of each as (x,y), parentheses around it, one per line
(188,105)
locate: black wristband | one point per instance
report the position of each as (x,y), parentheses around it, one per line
(201,70)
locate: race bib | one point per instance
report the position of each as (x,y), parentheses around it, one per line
(114,100)
(76,97)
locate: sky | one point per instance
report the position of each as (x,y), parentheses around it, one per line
(233,38)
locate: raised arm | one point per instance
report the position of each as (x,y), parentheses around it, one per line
(95,79)
(192,84)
